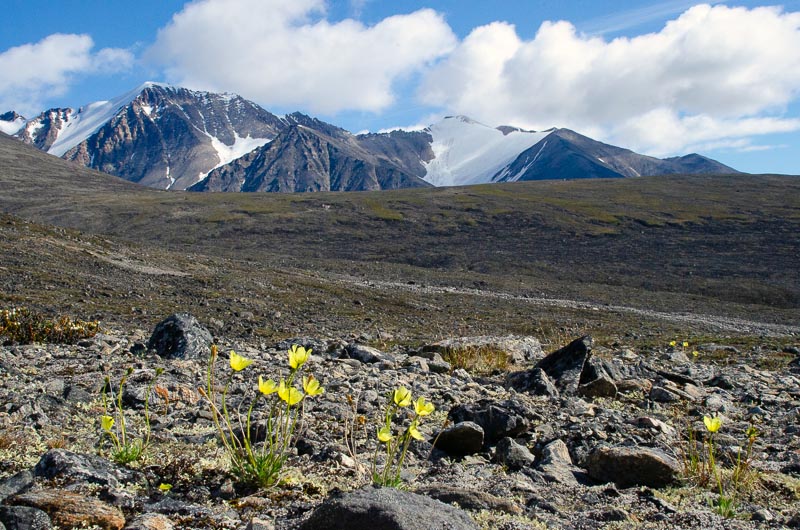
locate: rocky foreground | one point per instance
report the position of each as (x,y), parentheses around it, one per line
(585,437)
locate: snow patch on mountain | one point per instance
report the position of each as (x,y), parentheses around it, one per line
(241,146)
(469,152)
(89,119)
(13,126)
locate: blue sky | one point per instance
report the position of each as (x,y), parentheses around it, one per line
(661,77)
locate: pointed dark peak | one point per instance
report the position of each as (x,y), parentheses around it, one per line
(298,118)
(11,116)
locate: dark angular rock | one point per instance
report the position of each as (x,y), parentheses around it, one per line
(387,509)
(556,465)
(24,518)
(565,366)
(513,455)
(16,484)
(498,420)
(72,467)
(181,336)
(464,438)
(633,466)
(535,381)
(602,386)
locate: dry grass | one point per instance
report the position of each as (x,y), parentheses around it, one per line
(478,360)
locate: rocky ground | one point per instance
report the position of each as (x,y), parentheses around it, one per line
(587,437)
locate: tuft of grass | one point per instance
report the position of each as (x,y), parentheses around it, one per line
(478,360)
(23,326)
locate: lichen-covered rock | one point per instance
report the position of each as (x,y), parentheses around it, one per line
(24,518)
(388,509)
(180,336)
(71,510)
(72,467)
(633,466)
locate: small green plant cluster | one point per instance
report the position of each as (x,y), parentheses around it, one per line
(478,360)
(397,444)
(261,464)
(125,448)
(702,467)
(24,326)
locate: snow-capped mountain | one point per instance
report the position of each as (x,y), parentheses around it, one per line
(468,152)
(11,122)
(174,138)
(157,135)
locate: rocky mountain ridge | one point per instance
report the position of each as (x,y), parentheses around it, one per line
(174,138)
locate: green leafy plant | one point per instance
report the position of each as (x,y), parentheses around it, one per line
(397,445)
(24,326)
(261,464)
(125,447)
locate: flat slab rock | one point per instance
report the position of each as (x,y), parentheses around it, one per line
(633,466)
(71,510)
(388,509)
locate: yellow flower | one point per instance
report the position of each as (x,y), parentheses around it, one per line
(165,487)
(267,387)
(289,393)
(685,344)
(402,397)
(298,355)
(673,343)
(423,407)
(311,385)
(107,422)
(712,424)
(695,353)
(385,434)
(239,362)
(414,432)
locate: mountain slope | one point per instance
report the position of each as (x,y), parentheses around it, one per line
(310,155)
(565,154)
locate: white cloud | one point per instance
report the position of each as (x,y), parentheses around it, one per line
(287,54)
(714,73)
(34,72)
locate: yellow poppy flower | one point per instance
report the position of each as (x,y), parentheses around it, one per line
(165,487)
(402,397)
(267,387)
(385,434)
(239,362)
(673,343)
(311,385)
(289,393)
(298,355)
(685,344)
(107,423)
(712,424)
(423,407)
(414,432)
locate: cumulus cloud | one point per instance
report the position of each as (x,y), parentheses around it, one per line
(35,72)
(288,54)
(713,74)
